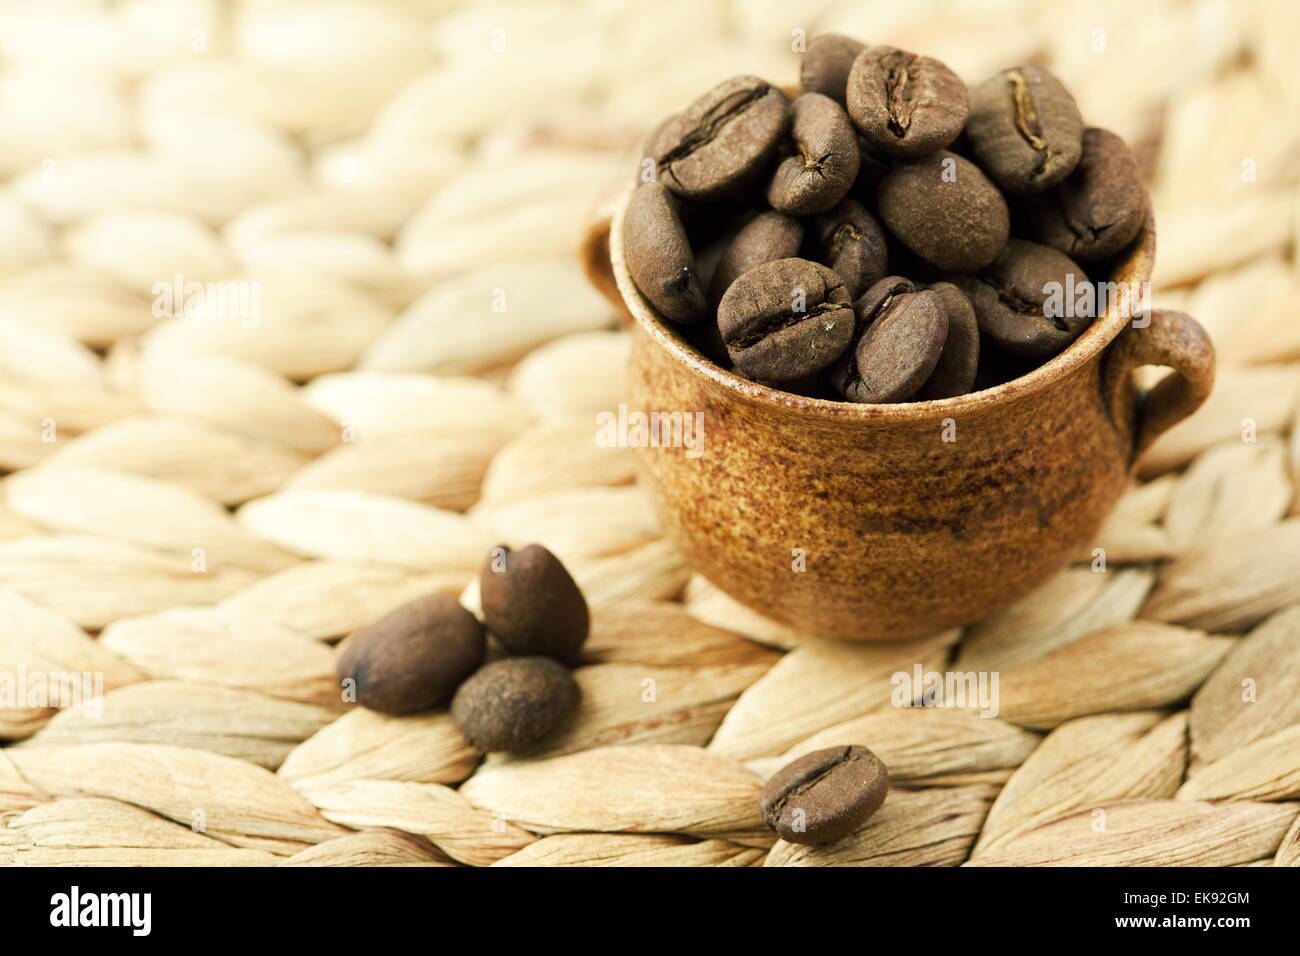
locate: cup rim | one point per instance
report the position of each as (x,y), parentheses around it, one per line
(1137,266)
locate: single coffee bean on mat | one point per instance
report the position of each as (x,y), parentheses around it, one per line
(786,320)
(1025,129)
(1098,209)
(902,336)
(946,211)
(414,657)
(531,604)
(827,63)
(767,237)
(822,162)
(720,141)
(1025,300)
(904,104)
(512,703)
(659,256)
(954,374)
(824,795)
(849,240)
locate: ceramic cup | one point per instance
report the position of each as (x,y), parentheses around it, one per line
(894,521)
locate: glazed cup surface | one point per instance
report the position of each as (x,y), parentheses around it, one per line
(894,521)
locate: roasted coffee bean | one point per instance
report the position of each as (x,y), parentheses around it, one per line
(946,211)
(1096,210)
(1025,129)
(824,795)
(1023,300)
(721,140)
(827,63)
(767,237)
(800,386)
(647,170)
(904,262)
(871,170)
(748,191)
(902,337)
(904,104)
(824,163)
(707,261)
(849,240)
(705,338)
(998,368)
(414,657)
(786,320)
(958,362)
(659,256)
(531,603)
(708,222)
(512,703)
(872,303)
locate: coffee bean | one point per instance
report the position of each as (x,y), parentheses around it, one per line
(721,140)
(827,63)
(868,306)
(512,703)
(824,161)
(707,222)
(647,170)
(959,361)
(902,337)
(824,795)
(1025,129)
(707,261)
(1098,209)
(998,368)
(946,211)
(871,170)
(749,191)
(531,603)
(767,237)
(904,104)
(414,657)
(813,386)
(849,240)
(705,338)
(1012,296)
(659,256)
(786,320)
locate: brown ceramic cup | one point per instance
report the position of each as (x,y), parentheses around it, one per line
(905,519)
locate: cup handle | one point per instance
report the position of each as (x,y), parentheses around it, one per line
(1172,339)
(593,250)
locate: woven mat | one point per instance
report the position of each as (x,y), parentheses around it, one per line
(204,494)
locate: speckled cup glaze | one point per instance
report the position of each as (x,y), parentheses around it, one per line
(902,533)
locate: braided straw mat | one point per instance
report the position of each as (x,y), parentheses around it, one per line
(196,507)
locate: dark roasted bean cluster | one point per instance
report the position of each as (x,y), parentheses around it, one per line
(431,651)
(886,236)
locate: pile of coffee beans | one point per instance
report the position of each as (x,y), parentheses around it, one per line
(824,795)
(432,650)
(887,235)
